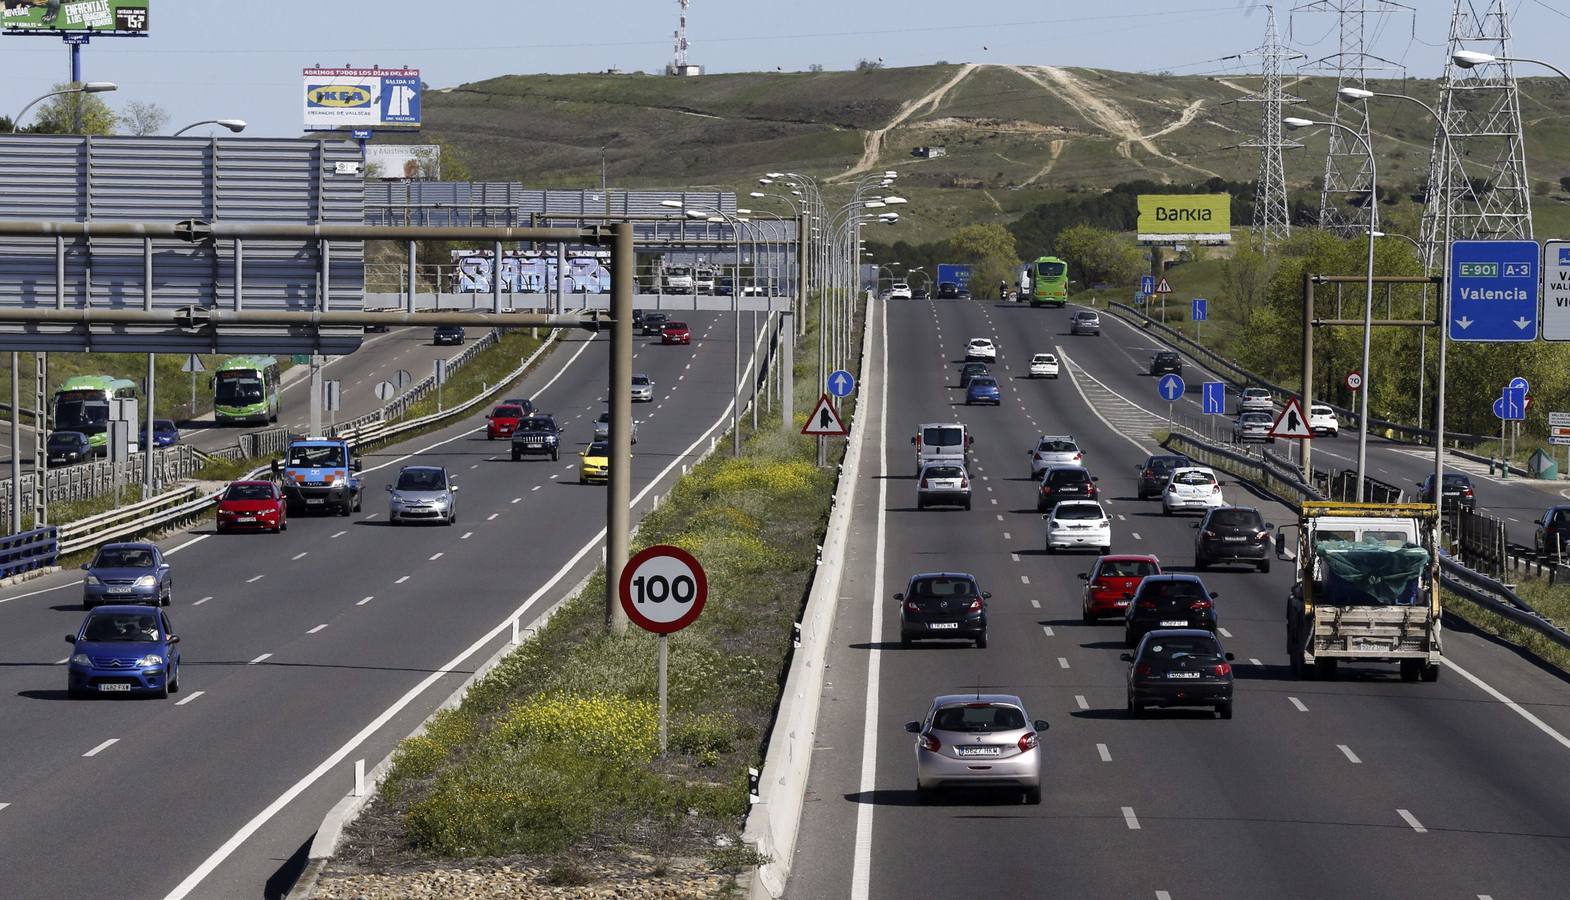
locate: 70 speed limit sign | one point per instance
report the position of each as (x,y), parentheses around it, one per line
(663,589)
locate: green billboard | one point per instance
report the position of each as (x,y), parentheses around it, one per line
(53,16)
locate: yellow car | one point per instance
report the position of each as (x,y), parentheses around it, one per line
(596,464)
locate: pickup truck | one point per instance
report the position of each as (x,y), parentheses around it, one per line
(320,474)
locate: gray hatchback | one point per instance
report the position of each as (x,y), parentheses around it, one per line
(978,741)
(422,494)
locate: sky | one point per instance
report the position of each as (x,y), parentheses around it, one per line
(208,59)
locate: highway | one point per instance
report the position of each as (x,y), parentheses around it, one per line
(1361,787)
(308,650)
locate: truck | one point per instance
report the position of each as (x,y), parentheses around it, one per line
(320,474)
(1366,590)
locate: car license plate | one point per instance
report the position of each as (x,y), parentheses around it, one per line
(315,500)
(114,687)
(1121,602)
(536,443)
(942,625)
(976,751)
(1234,539)
(119,590)
(1182,674)
(1369,645)
(1173,623)
(245,518)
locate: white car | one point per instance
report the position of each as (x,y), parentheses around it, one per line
(981,349)
(642,389)
(1322,420)
(899,290)
(943,484)
(1191,487)
(602,427)
(1044,365)
(1078,524)
(1054,450)
(1256,399)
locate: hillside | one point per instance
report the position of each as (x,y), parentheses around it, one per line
(1015,136)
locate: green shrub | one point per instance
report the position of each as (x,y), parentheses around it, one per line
(705,737)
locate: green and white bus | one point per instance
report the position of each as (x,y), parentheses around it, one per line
(1048,282)
(245,389)
(82,404)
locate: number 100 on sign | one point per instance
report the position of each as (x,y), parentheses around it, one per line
(663,589)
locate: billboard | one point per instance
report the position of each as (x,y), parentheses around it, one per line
(361,98)
(588,272)
(53,16)
(394,162)
(1170,218)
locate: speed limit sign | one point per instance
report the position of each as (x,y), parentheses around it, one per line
(663,589)
(1354,380)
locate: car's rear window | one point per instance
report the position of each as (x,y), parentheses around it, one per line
(248,492)
(943,587)
(537,424)
(1078,511)
(1044,358)
(945,472)
(1176,648)
(422,480)
(1167,356)
(1456,480)
(1165,463)
(1127,568)
(507,412)
(640,379)
(1171,590)
(940,437)
(1318,410)
(984,381)
(1255,419)
(1194,478)
(675,325)
(978,718)
(1057,446)
(1236,518)
(1067,476)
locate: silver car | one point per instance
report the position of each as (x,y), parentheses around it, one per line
(1255,399)
(1252,426)
(1084,322)
(642,389)
(943,484)
(602,427)
(978,741)
(1054,450)
(422,494)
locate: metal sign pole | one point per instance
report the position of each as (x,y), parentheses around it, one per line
(16,447)
(664,726)
(147,438)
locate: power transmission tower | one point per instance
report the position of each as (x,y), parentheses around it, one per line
(1272,220)
(1482,109)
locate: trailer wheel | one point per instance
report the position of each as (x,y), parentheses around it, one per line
(1430,674)
(1325,669)
(1411,669)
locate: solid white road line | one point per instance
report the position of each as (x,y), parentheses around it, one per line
(861,867)
(1104,753)
(102,747)
(58,587)
(1130,819)
(1081,702)
(1297,703)
(201,601)
(1351,757)
(366,600)
(317,628)
(193,696)
(1062,662)
(1488,689)
(264,656)
(401,580)
(1412,820)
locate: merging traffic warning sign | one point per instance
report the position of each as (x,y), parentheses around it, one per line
(1291,423)
(1162,287)
(824,420)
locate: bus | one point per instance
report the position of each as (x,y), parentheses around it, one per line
(82,404)
(245,389)
(1048,282)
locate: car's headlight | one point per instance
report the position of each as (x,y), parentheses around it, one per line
(93,579)
(146,581)
(396,498)
(151,659)
(81,659)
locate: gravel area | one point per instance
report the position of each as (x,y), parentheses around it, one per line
(690,881)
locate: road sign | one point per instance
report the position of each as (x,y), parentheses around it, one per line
(1559,428)
(1199,312)
(1291,423)
(1493,290)
(385,390)
(824,420)
(841,383)
(1215,397)
(332,396)
(362,134)
(1170,387)
(1511,405)
(1147,284)
(663,589)
(1522,383)
(301,359)
(1556,291)
(193,363)
(402,379)
(1162,287)
(440,373)
(1354,380)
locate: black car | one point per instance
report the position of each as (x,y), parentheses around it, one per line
(1553,531)
(523,403)
(536,436)
(1235,534)
(1458,490)
(918,294)
(447,334)
(377,327)
(948,290)
(1153,473)
(654,323)
(1180,668)
(1168,601)
(971,370)
(943,606)
(1166,361)
(66,447)
(964,293)
(1059,483)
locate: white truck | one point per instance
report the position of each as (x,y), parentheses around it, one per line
(1367,588)
(677,280)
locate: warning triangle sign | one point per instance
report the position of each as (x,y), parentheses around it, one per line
(1162,287)
(824,420)
(1291,423)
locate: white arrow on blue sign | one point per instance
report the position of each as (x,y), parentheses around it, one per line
(1147,284)
(1519,382)
(1170,387)
(841,383)
(1493,290)
(1511,406)
(1215,397)
(1199,309)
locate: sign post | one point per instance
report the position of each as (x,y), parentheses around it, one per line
(193,364)
(1556,291)
(440,376)
(1199,313)
(1162,290)
(662,590)
(1170,387)
(1493,290)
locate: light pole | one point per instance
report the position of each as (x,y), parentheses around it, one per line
(1467,59)
(1422,333)
(234,125)
(707,213)
(90,87)
(1368,305)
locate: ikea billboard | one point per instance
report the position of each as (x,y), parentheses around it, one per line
(337,99)
(1199,218)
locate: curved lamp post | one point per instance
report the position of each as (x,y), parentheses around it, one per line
(234,125)
(89,87)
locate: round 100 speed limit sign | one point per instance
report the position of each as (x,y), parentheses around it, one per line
(663,589)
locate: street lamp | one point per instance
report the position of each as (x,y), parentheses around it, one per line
(1368,305)
(1467,59)
(234,125)
(90,87)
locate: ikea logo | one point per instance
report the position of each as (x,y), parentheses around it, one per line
(338,95)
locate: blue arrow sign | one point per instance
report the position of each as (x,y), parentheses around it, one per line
(841,383)
(1215,397)
(1199,309)
(1511,406)
(1170,387)
(1493,290)
(1519,382)
(1147,284)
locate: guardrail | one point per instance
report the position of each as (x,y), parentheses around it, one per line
(28,550)
(1280,481)
(94,477)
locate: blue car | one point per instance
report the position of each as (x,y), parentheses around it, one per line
(124,650)
(165,434)
(127,573)
(983,389)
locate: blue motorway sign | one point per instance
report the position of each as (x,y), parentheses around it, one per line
(1511,406)
(1522,383)
(1170,387)
(1147,284)
(841,383)
(1199,309)
(1215,397)
(1493,290)
(362,134)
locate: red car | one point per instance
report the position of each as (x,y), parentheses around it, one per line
(252,505)
(502,422)
(675,333)
(1111,581)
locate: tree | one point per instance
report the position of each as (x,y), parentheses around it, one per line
(815,67)
(143,119)
(989,249)
(58,115)
(1098,255)
(869,65)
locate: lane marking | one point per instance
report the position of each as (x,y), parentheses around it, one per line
(1224,633)
(255,578)
(340,534)
(1047,630)
(1412,820)
(1163,895)
(1136,535)
(366,600)
(1014,557)
(1488,689)
(861,870)
(1297,703)
(201,601)
(4,805)
(317,628)
(1024,579)
(993,500)
(194,695)
(264,656)
(1062,662)
(1130,819)
(1036,603)
(374,515)
(58,587)
(466,535)
(1104,753)
(491,516)
(1000,518)
(1351,757)
(1254,662)
(299,556)
(436,556)
(1007,536)
(520,499)
(401,580)
(61,662)
(102,747)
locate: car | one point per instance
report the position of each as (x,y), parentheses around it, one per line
(1233,534)
(899,290)
(1322,420)
(376,328)
(1553,531)
(943,605)
(983,389)
(948,290)
(536,435)
(1154,471)
(943,484)
(1191,487)
(502,421)
(1044,365)
(123,649)
(422,494)
(248,505)
(964,293)
(919,294)
(1253,426)
(1179,667)
(1457,490)
(654,323)
(1078,524)
(642,389)
(165,434)
(131,572)
(321,473)
(594,462)
(971,370)
(981,349)
(1256,399)
(942,442)
(1054,450)
(1059,483)
(1168,600)
(523,403)
(1084,322)
(66,447)
(978,740)
(1110,583)
(447,334)
(602,427)
(1164,361)
(675,333)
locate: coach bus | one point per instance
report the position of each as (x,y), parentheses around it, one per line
(82,404)
(1048,282)
(245,389)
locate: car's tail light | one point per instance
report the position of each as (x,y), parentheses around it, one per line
(1028,741)
(1261,535)
(1466,492)
(910,606)
(1090,490)
(975,605)
(1045,489)
(1146,604)
(930,743)
(1207,533)
(964,484)
(1078,457)
(1215,488)
(1148,473)
(1221,669)
(1144,669)
(923,484)
(1200,604)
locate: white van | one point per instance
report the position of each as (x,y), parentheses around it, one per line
(946,442)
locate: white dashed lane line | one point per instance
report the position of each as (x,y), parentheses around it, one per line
(1047,631)
(262,658)
(1063,662)
(366,600)
(1412,821)
(102,747)
(255,578)
(491,517)
(340,534)
(317,628)
(436,556)
(201,601)
(1225,633)
(401,579)
(193,696)
(1297,703)
(1104,753)
(299,556)
(1024,579)
(1130,819)
(1347,752)
(1081,702)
